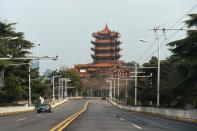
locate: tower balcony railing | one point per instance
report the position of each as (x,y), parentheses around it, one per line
(105,41)
(106,55)
(106,48)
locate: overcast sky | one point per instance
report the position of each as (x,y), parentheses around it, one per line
(64,27)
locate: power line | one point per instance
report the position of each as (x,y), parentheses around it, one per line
(164,41)
(167,30)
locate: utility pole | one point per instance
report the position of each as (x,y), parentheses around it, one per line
(158,76)
(158,65)
(155,29)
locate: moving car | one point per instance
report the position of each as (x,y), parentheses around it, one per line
(44,108)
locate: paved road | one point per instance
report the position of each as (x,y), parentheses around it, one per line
(42,121)
(102,116)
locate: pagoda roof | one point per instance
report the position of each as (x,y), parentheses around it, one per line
(106,30)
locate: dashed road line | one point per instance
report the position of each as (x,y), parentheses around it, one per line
(122,119)
(136,126)
(21,119)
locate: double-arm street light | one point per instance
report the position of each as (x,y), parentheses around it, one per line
(66,80)
(62,82)
(53,81)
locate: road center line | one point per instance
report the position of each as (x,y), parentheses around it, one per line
(21,119)
(136,126)
(122,119)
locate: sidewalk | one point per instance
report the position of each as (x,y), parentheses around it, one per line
(21,109)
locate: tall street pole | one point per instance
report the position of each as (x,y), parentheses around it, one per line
(29,84)
(158,75)
(62,80)
(135,84)
(126,92)
(53,87)
(114,89)
(118,88)
(66,93)
(59,89)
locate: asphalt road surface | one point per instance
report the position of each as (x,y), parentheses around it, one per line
(102,116)
(42,121)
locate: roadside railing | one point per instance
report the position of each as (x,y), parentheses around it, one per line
(174,113)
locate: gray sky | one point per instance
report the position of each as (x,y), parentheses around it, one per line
(64,27)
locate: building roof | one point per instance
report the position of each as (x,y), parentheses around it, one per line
(106,30)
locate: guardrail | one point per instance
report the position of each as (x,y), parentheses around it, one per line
(172,113)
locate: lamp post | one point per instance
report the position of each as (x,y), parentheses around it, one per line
(54,86)
(158,70)
(66,81)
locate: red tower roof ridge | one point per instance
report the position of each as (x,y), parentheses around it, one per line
(106,30)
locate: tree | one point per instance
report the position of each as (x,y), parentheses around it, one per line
(16,77)
(72,75)
(185,54)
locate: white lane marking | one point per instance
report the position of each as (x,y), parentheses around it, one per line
(136,126)
(38,115)
(122,119)
(21,119)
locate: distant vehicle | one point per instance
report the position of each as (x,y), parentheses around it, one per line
(44,108)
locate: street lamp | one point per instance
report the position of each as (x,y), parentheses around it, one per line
(66,81)
(54,86)
(158,71)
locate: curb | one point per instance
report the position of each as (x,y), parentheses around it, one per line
(70,119)
(17,112)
